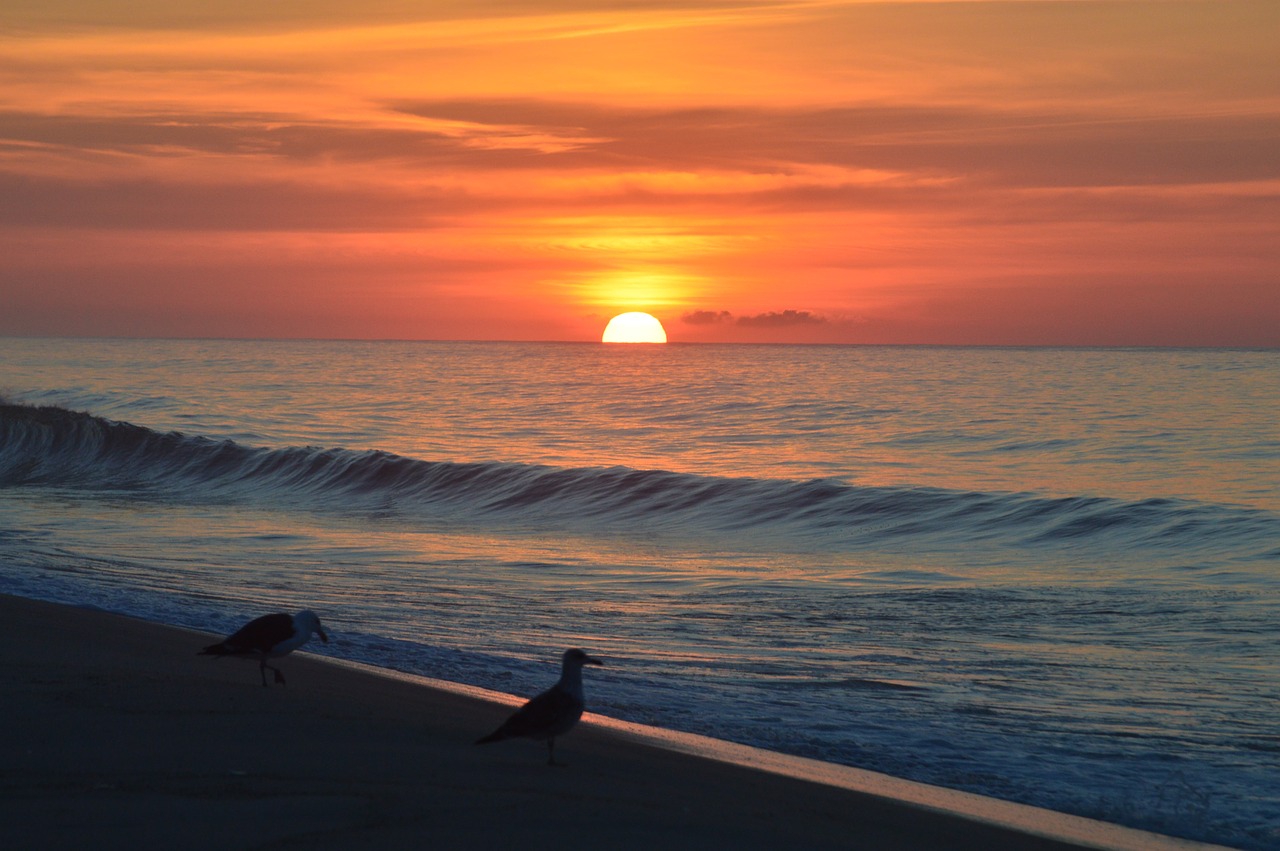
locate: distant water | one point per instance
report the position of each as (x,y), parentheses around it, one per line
(1051,576)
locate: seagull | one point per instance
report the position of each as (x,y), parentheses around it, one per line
(552,713)
(269,637)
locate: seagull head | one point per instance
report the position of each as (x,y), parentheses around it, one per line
(577,658)
(307,621)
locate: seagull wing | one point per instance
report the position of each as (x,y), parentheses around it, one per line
(257,636)
(549,714)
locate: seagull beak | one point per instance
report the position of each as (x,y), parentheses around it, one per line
(323,637)
(592,661)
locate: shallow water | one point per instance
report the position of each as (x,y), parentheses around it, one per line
(1046,575)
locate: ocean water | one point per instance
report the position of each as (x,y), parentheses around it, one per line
(1046,575)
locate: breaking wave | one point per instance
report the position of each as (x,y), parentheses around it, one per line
(55,447)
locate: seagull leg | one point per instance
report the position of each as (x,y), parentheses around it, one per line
(551,753)
(262,669)
(279,674)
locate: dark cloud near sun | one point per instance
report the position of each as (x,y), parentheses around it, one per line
(770,319)
(783,319)
(706,317)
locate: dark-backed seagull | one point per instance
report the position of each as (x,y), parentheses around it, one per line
(269,637)
(552,713)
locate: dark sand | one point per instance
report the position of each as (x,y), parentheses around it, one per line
(114,734)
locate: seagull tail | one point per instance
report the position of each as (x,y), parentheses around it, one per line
(495,736)
(218,649)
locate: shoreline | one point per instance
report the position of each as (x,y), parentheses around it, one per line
(120,736)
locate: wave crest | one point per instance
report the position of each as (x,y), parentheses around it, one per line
(55,447)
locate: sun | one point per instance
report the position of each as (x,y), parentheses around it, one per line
(634,328)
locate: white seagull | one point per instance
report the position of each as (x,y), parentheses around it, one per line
(269,637)
(552,713)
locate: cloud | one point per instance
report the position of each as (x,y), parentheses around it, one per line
(784,319)
(706,317)
(770,319)
(1027,145)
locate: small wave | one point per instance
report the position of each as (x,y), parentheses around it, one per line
(55,447)
(847,683)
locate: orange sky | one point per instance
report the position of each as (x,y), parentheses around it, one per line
(991,173)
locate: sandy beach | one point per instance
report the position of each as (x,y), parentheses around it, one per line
(117,735)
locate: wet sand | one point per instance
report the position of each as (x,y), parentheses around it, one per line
(115,734)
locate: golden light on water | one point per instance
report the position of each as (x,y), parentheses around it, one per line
(634,327)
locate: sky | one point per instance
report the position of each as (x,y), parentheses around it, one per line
(1026,172)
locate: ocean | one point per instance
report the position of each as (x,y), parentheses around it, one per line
(1046,575)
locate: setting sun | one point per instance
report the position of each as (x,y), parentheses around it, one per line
(634,328)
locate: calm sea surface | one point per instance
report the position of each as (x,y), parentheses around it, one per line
(1051,576)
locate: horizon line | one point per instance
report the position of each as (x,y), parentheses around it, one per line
(808,344)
